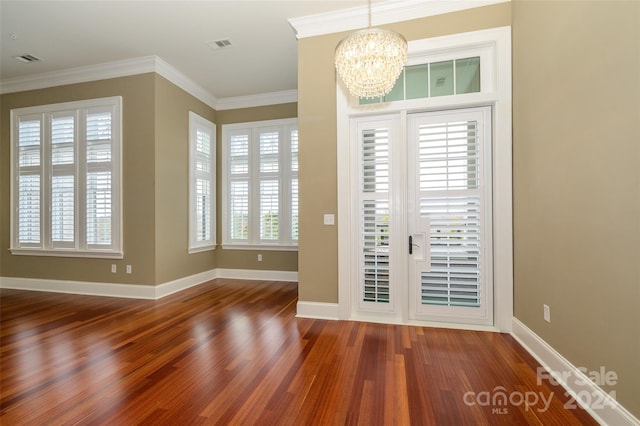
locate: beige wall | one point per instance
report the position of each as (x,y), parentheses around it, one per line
(248,259)
(138,174)
(576,177)
(576,97)
(172,106)
(318,262)
(155,186)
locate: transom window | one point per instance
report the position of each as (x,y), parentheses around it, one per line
(66,179)
(443,76)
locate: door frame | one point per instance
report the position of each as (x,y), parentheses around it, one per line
(495,92)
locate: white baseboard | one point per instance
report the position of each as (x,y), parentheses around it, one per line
(183,283)
(604,409)
(256,274)
(317,310)
(134,291)
(130,291)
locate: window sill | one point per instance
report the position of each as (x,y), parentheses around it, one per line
(193,250)
(67,253)
(265,247)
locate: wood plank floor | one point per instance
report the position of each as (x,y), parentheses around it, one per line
(232,352)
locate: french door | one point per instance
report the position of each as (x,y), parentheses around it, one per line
(424,222)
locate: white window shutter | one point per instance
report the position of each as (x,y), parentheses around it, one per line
(269,209)
(294,208)
(294,184)
(450,197)
(454,278)
(98,179)
(203,186)
(260,184)
(375,256)
(63,181)
(375,251)
(67,185)
(202,175)
(29,181)
(29,229)
(269,146)
(239,197)
(239,160)
(269,142)
(63,209)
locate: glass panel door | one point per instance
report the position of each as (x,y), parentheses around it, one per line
(449,207)
(431,183)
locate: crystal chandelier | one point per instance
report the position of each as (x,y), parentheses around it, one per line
(370,61)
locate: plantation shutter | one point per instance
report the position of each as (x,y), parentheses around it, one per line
(454,279)
(29,181)
(374,203)
(269,186)
(260,181)
(239,176)
(451,199)
(63,171)
(202,184)
(204,179)
(67,179)
(99,151)
(294,184)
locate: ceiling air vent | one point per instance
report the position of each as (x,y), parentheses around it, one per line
(27,58)
(220,44)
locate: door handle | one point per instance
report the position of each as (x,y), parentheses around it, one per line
(420,242)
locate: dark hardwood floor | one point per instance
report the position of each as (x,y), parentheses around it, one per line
(232,352)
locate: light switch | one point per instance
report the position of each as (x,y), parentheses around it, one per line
(329,219)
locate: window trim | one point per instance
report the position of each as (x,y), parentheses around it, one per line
(286,243)
(80,247)
(197,122)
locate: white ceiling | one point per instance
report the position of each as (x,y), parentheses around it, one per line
(69,34)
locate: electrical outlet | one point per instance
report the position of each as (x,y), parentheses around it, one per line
(128,269)
(329,219)
(547,313)
(114,268)
(259,258)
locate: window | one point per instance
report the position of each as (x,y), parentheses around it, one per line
(445,77)
(202,184)
(260,184)
(66,173)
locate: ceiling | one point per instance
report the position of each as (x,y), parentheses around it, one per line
(68,34)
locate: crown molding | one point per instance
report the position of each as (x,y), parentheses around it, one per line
(105,71)
(185,83)
(137,66)
(381,13)
(262,99)
(79,75)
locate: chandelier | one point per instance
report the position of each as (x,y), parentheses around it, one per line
(369,61)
